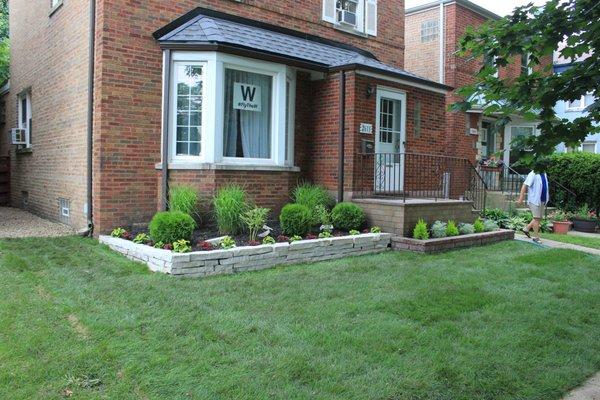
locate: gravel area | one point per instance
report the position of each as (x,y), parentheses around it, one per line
(16,223)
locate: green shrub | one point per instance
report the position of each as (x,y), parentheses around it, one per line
(230,204)
(375,229)
(295,238)
(170,226)
(141,238)
(295,219)
(496,214)
(324,235)
(490,225)
(323,216)
(478,225)
(255,219)
(466,229)
(227,243)
(420,232)
(577,172)
(184,199)
(347,216)
(118,232)
(452,229)
(182,246)
(311,196)
(516,223)
(438,229)
(269,240)
(354,232)
(159,245)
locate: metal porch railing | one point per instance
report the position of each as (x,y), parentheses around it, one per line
(419,176)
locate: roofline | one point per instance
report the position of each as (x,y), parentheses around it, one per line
(465,3)
(300,63)
(257,24)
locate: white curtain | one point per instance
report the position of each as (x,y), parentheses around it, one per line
(253,127)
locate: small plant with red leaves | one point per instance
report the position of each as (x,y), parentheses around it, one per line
(168,246)
(311,236)
(206,246)
(253,243)
(128,236)
(282,239)
(366,230)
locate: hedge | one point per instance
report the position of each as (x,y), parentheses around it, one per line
(578,172)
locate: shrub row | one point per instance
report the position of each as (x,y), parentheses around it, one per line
(441,229)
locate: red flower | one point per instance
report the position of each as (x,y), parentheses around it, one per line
(282,239)
(206,246)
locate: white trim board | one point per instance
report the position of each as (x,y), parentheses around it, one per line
(401,81)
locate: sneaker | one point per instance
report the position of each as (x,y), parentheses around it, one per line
(526,233)
(537,240)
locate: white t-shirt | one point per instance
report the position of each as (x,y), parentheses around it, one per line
(534,189)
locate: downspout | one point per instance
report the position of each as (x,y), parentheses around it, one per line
(165,128)
(342,135)
(90,117)
(441,35)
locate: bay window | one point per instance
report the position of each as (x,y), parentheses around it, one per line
(230,110)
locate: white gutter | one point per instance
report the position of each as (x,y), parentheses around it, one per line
(442,56)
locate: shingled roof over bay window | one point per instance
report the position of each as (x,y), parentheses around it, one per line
(203,29)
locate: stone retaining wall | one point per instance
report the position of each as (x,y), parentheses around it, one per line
(250,258)
(449,243)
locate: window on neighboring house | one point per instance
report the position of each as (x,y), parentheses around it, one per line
(490,61)
(429,30)
(231,110)
(525,70)
(358,15)
(188,103)
(581,103)
(588,147)
(24,111)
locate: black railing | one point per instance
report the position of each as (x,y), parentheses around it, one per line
(419,176)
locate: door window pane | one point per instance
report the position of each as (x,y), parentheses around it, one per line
(189,109)
(247,124)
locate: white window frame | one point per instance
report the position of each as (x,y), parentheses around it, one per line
(364,8)
(590,143)
(173,113)
(26,126)
(430,30)
(213,103)
(583,105)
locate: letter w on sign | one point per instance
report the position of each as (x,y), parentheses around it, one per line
(246,97)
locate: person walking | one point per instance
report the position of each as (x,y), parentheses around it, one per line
(538,194)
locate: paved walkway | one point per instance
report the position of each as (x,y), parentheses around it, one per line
(16,223)
(561,245)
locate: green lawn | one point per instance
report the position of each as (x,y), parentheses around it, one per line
(593,242)
(508,321)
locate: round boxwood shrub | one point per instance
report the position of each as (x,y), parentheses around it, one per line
(171,226)
(295,219)
(347,216)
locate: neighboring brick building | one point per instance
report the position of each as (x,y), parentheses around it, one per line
(241,91)
(433,32)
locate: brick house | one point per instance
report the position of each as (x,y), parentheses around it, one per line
(260,93)
(433,32)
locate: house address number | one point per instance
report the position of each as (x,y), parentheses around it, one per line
(366,128)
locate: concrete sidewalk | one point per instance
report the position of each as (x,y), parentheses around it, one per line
(560,245)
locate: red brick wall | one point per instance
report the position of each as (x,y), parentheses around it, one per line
(128,93)
(422,58)
(49,56)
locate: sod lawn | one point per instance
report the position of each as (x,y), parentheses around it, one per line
(507,321)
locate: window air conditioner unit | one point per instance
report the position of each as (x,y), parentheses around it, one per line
(348,17)
(17,136)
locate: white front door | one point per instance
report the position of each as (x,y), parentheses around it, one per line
(390,140)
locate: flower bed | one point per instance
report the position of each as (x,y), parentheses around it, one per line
(451,242)
(248,258)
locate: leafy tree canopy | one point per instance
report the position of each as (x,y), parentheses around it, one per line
(537,32)
(4,44)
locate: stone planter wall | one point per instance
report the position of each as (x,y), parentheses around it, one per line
(239,259)
(450,243)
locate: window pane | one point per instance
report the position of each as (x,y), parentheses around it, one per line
(189,107)
(589,147)
(247,116)
(23,110)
